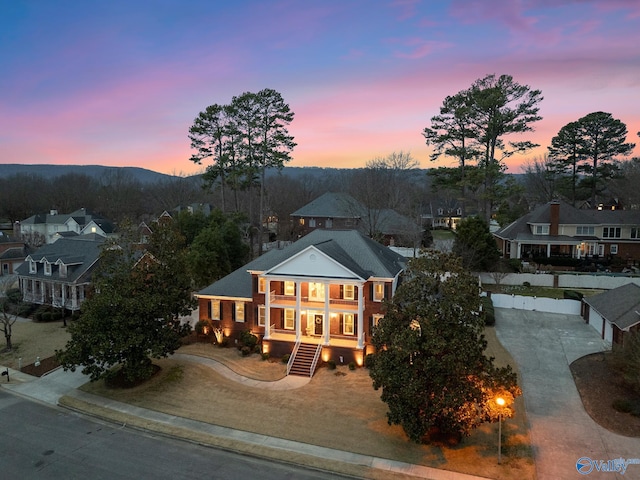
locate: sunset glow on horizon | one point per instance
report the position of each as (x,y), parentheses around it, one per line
(119,83)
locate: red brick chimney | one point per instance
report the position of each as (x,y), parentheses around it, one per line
(554,208)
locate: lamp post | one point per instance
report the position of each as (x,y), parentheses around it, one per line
(500,402)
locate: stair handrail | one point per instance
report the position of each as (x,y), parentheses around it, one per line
(293,356)
(315,360)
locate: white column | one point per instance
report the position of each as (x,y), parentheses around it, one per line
(327,319)
(519,250)
(360,316)
(548,250)
(267,309)
(298,314)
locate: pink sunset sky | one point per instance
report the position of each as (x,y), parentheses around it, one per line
(119,83)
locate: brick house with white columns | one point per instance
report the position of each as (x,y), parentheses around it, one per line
(325,290)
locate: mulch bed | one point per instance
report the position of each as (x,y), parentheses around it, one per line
(599,386)
(46,365)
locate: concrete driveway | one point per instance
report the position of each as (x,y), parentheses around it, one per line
(562,432)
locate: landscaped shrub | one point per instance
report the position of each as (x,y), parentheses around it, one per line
(526,284)
(331,364)
(246,351)
(352,365)
(285,358)
(55,316)
(623,405)
(248,339)
(488,312)
(264,355)
(368,360)
(46,317)
(572,295)
(515,264)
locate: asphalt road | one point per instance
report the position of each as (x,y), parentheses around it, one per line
(38,441)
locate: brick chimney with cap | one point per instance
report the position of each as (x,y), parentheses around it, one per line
(554,208)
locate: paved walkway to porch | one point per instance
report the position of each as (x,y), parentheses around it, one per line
(290,382)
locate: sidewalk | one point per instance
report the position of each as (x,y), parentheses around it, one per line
(60,388)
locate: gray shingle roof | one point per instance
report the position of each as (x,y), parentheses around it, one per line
(619,306)
(569,215)
(79,253)
(354,251)
(331,205)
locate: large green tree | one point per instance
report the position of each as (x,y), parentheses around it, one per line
(430,357)
(217,250)
(602,139)
(273,143)
(501,107)
(475,245)
(212,135)
(452,134)
(566,152)
(133,314)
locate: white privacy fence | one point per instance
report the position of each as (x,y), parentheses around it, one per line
(565,280)
(540,304)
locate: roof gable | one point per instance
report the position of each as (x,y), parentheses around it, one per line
(312,262)
(619,306)
(331,205)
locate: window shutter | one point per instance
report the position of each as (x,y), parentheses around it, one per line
(342,291)
(387,291)
(371,291)
(209,310)
(233,312)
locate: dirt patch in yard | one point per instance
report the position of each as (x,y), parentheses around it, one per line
(599,386)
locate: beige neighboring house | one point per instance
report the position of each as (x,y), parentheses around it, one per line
(46,228)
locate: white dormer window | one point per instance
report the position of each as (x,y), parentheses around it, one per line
(541,230)
(62,269)
(440,211)
(312,222)
(33,268)
(459,211)
(47,268)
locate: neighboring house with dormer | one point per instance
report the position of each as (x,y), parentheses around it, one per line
(614,313)
(323,293)
(59,274)
(42,229)
(557,229)
(340,211)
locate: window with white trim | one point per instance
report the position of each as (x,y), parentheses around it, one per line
(541,230)
(316,291)
(635,232)
(376,319)
(262,284)
(585,230)
(329,223)
(215,309)
(47,268)
(348,324)
(614,249)
(348,292)
(239,311)
(312,222)
(378,291)
(289,288)
(33,268)
(611,232)
(262,316)
(289,318)
(62,270)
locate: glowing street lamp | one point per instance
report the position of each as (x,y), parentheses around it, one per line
(500,402)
